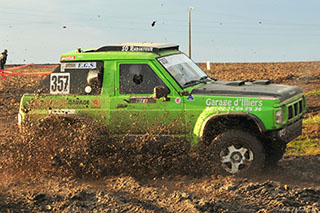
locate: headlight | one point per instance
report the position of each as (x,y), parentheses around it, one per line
(279,117)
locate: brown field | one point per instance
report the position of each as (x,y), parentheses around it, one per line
(177,182)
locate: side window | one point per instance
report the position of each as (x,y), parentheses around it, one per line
(78,78)
(138,79)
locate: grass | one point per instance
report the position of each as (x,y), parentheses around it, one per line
(309,142)
(304,147)
(314,120)
(312,93)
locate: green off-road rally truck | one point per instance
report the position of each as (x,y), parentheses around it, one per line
(133,87)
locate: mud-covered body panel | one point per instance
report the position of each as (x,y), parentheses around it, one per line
(249,89)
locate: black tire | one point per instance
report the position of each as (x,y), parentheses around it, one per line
(237,152)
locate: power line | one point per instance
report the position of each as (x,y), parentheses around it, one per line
(79,17)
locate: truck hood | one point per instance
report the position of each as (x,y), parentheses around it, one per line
(262,88)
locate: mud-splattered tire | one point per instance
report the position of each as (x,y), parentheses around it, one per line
(237,152)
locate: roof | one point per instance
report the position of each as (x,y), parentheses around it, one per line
(136,51)
(138,47)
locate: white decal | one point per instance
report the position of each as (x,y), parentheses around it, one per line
(59,83)
(88,89)
(268,98)
(62,111)
(136,49)
(125,48)
(178,100)
(239,104)
(172,60)
(67,58)
(86,65)
(213,102)
(78,65)
(62,67)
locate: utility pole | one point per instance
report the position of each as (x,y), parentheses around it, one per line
(190,8)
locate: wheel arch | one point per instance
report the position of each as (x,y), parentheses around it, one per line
(225,121)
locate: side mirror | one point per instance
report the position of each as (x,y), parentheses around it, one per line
(160,91)
(94,78)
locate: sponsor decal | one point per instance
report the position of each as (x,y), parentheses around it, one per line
(78,65)
(178,100)
(86,65)
(67,58)
(268,98)
(35,102)
(88,89)
(63,67)
(239,104)
(60,102)
(136,49)
(62,111)
(190,98)
(142,99)
(42,102)
(236,102)
(96,102)
(78,102)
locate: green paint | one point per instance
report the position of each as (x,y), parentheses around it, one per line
(186,112)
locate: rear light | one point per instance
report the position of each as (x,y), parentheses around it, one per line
(19,119)
(279,116)
(19,122)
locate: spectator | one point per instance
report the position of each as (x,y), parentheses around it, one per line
(3,58)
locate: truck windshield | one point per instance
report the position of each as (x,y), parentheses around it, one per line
(183,70)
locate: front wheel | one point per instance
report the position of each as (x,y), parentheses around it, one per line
(237,152)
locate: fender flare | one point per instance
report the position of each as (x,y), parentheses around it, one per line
(201,131)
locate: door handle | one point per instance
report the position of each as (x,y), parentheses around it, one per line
(122,105)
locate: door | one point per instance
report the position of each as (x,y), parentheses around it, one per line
(135,111)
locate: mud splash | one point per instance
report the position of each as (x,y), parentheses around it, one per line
(80,147)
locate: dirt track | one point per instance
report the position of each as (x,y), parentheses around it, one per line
(171,184)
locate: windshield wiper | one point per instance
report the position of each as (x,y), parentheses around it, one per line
(191,82)
(201,80)
(207,77)
(203,77)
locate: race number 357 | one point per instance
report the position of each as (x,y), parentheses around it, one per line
(60,83)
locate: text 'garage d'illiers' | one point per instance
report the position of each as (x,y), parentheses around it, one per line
(236,102)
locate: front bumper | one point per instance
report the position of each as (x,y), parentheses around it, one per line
(288,133)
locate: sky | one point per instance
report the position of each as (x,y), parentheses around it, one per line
(39,31)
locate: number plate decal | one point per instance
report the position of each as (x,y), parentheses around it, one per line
(60,83)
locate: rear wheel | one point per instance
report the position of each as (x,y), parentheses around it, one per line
(237,152)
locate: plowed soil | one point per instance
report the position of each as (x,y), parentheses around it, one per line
(74,167)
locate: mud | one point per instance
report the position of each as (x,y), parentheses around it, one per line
(74,166)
